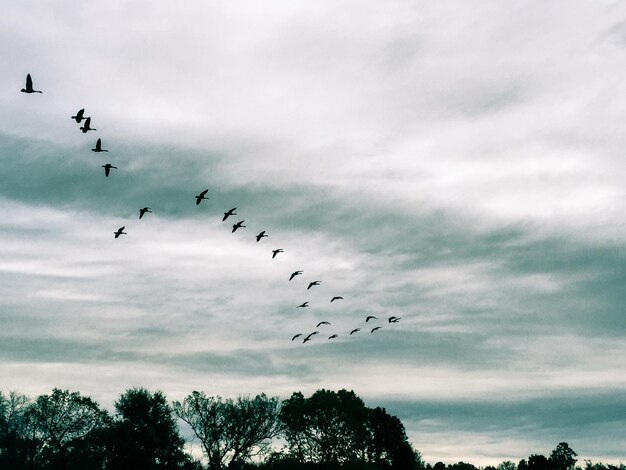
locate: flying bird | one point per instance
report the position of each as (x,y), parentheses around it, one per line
(314,283)
(143,211)
(322,323)
(370,317)
(332,336)
(294,274)
(107,169)
(99,147)
(229,213)
(29,86)
(80,115)
(355,330)
(337,297)
(296,336)
(275,252)
(200,196)
(86,127)
(308,338)
(305,304)
(120,231)
(260,235)
(394,319)
(375,328)
(238,225)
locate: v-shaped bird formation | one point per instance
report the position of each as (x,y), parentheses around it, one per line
(80,117)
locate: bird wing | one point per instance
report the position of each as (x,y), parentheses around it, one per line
(106,170)
(203,193)
(80,113)
(29,82)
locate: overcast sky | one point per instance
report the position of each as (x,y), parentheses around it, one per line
(456,164)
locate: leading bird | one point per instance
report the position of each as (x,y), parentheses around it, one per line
(29,86)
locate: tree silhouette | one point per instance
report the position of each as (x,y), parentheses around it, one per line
(67,428)
(563,458)
(230,431)
(145,434)
(17,445)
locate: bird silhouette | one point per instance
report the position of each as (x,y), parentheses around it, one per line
(305,304)
(394,319)
(200,196)
(260,235)
(29,86)
(120,231)
(229,213)
(296,336)
(308,338)
(294,274)
(80,115)
(275,252)
(143,211)
(370,317)
(99,147)
(375,328)
(322,323)
(314,283)
(107,169)
(337,297)
(332,336)
(238,225)
(86,127)
(355,330)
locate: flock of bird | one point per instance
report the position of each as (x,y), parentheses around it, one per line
(86,127)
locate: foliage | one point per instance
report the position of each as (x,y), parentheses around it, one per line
(231,431)
(145,434)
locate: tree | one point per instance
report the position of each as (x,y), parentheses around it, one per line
(538,462)
(507,465)
(230,431)
(17,448)
(67,427)
(563,458)
(328,427)
(144,434)
(387,442)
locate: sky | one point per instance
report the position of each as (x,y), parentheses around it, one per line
(456,164)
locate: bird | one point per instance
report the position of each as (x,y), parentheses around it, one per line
(337,297)
(322,323)
(308,338)
(99,147)
(394,319)
(355,330)
(143,211)
(370,317)
(229,213)
(314,283)
(296,336)
(294,274)
(238,225)
(86,127)
(275,252)
(80,115)
(332,336)
(29,86)
(375,328)
(107,169)
(260,235)
(120,231)
(200,196)
(305,304)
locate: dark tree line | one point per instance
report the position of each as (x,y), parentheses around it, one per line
(326,431)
